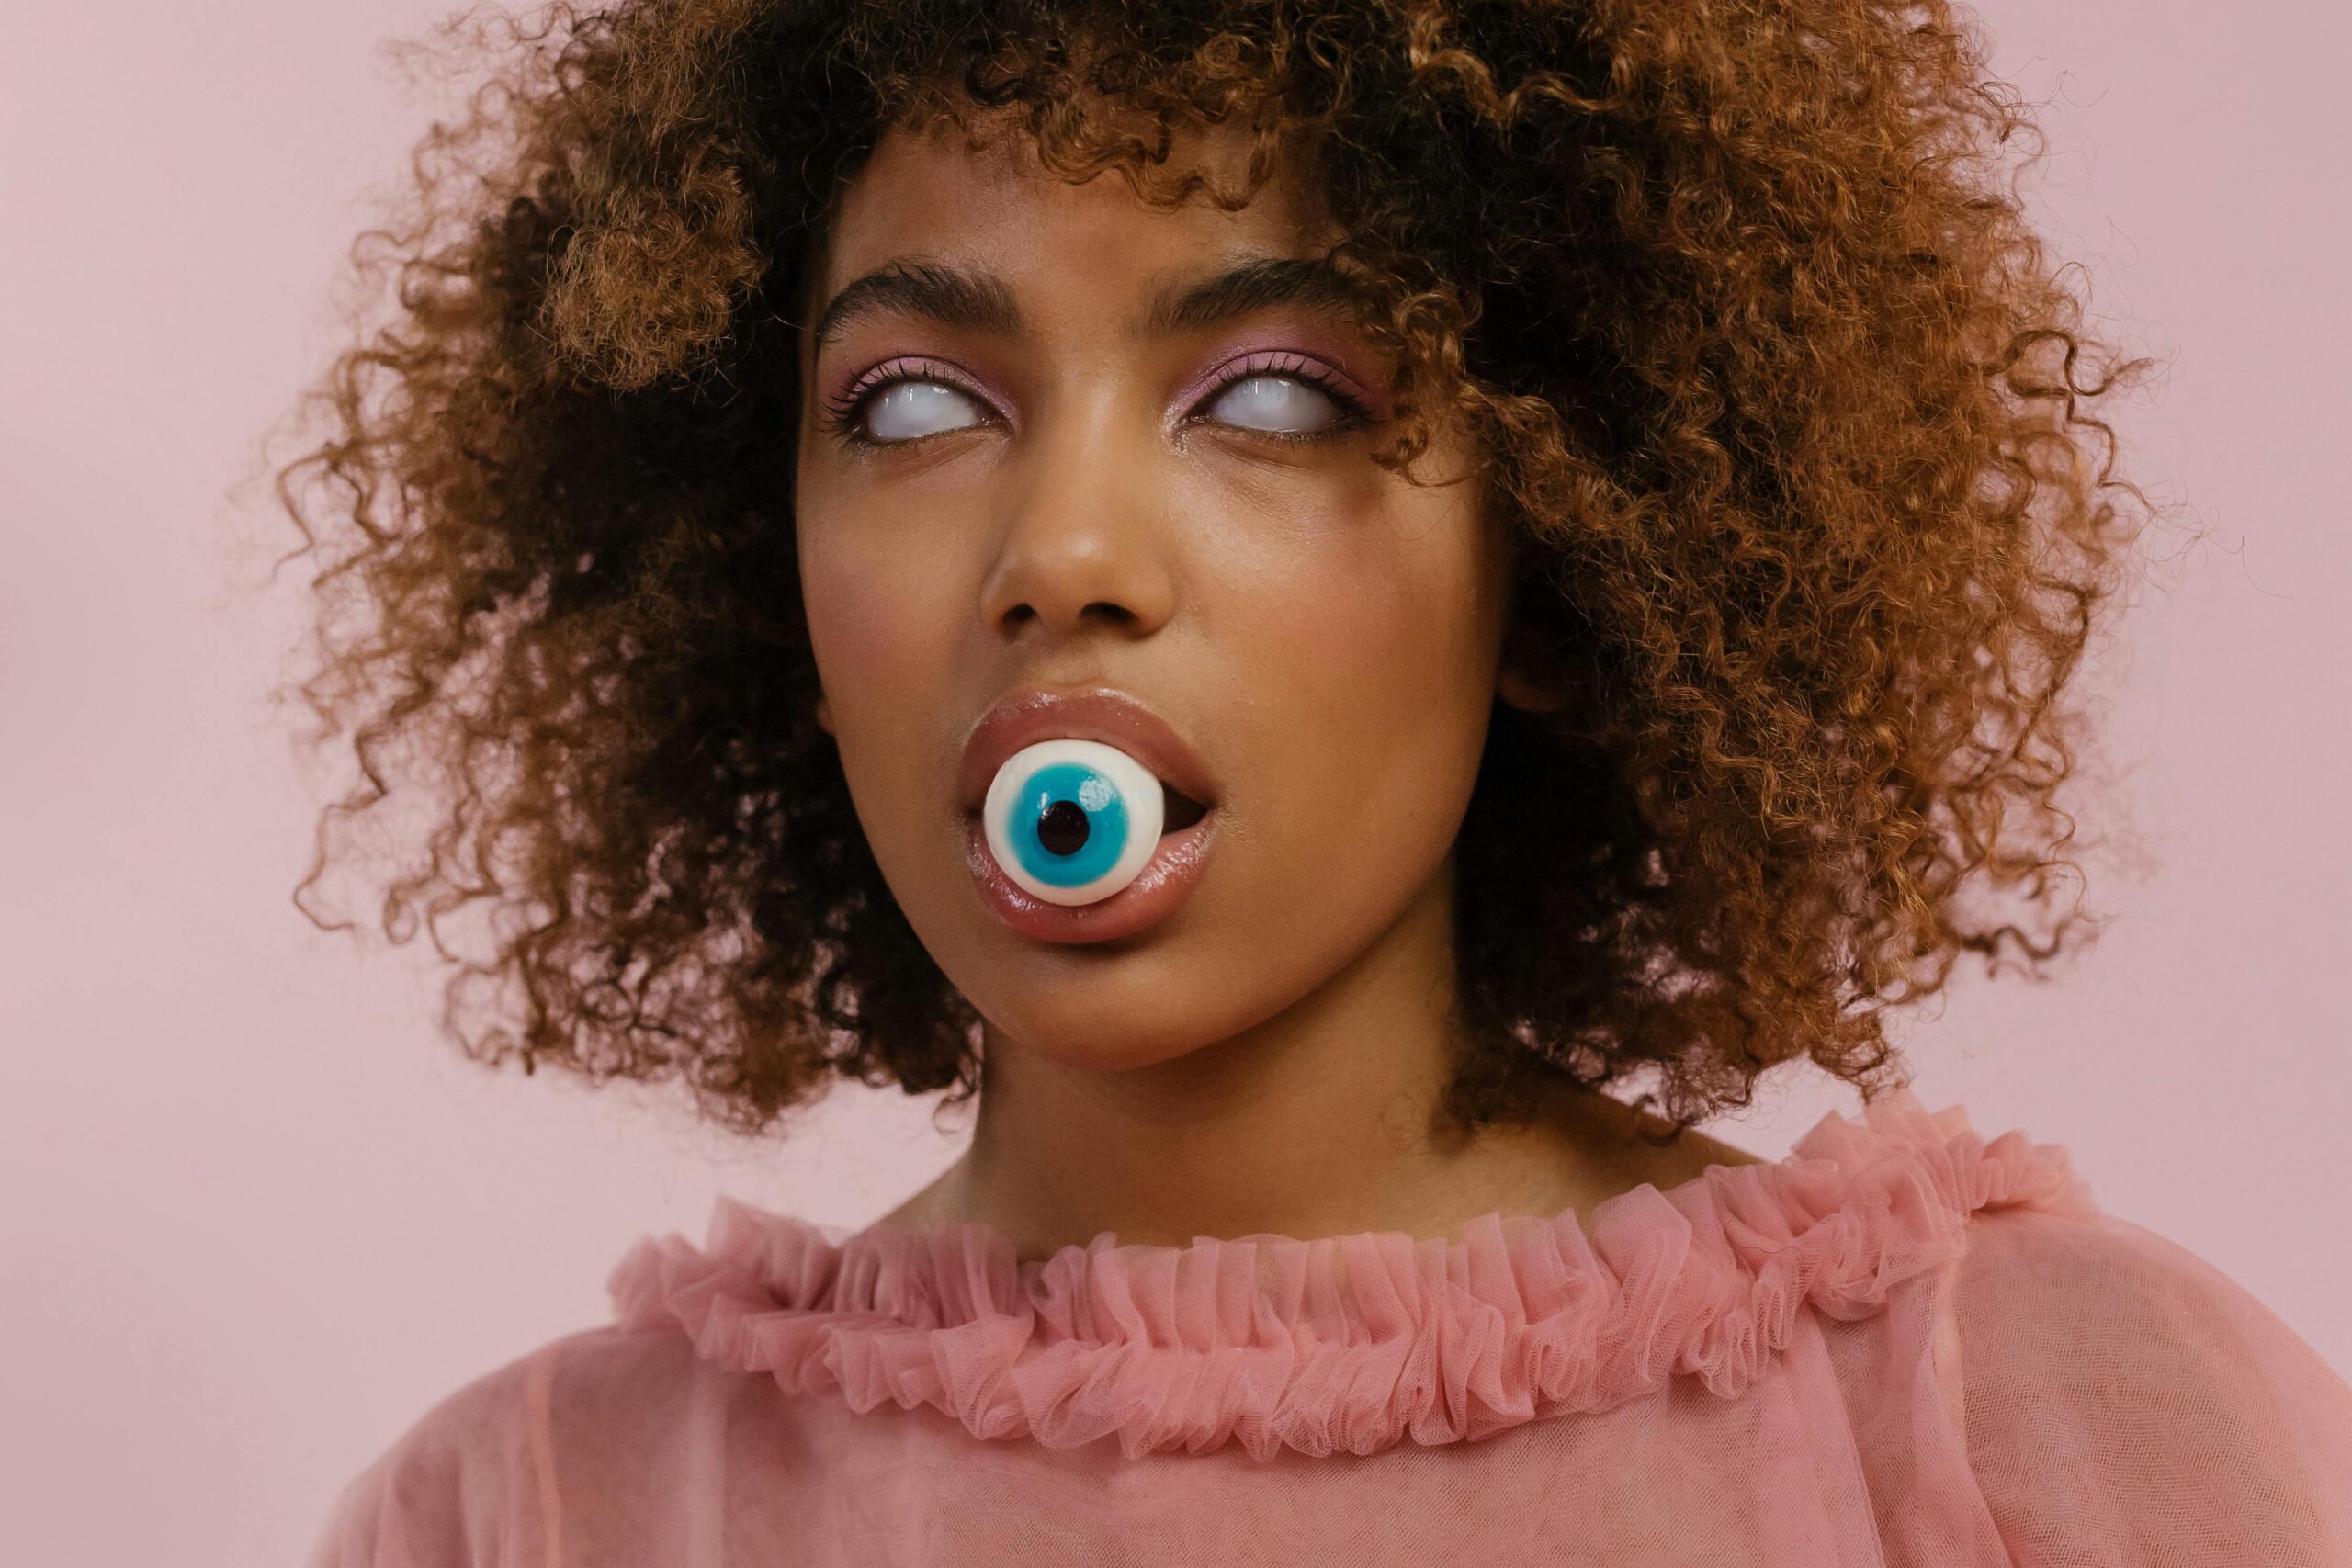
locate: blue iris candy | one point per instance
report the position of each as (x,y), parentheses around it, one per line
(1073,821)
(1069,824)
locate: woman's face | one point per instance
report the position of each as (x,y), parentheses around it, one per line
(1066,495)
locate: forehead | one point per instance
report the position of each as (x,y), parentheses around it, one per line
(925,193)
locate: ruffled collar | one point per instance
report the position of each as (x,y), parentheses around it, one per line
(1351,1343)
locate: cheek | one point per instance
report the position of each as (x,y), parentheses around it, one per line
(876,618)
(866,594)
(1393,622)
(850,616)
(1375,673)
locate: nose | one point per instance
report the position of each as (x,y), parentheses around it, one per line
(1088,527)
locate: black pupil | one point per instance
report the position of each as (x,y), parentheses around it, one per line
(1062,828)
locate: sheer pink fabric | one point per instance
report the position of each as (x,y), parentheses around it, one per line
(1901,1345)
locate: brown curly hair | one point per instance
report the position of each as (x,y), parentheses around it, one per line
(1782,392)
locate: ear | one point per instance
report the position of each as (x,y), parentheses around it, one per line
(1531,675)
(824,716)
(1526,693)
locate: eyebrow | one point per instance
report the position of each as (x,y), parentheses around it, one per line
(983,302)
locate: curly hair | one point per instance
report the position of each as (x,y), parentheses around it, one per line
(1785,399)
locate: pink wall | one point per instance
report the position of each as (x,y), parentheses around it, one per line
(258,1217)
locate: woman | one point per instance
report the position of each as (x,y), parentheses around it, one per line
(1574,520)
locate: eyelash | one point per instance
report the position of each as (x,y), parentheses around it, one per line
(841,414)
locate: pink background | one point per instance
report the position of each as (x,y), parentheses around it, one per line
(257,1216)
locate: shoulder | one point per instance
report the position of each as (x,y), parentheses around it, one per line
(2106,1310)
(2098,1294)
(2120,1388)
(469,1480)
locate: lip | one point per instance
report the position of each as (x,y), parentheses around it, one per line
(1164,883)
(1023,717)
(1030,715)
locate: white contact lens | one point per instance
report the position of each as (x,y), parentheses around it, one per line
(1072,821)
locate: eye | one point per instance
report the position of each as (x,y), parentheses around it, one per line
(1290,399)
(911,408)
(890,406)
(1276,402)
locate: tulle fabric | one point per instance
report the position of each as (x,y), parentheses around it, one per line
(1346,1344)
(1904,1344)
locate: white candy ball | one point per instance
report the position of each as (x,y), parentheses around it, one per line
(1072,821)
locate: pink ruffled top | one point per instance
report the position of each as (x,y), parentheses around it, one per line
(1346,1343)
(1904,1342)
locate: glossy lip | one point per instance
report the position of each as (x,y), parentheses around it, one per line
(1025,716)
(1164,883)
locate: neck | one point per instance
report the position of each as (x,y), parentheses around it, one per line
(1321,1120)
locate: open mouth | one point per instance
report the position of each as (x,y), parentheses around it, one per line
(1178,812)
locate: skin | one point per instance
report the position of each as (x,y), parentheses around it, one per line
(1327,635)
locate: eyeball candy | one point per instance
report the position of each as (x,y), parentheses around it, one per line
(1072,821)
